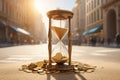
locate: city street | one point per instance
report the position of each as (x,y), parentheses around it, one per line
(106,59)
(90,27)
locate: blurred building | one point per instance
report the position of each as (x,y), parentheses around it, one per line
(111,13)
(94,19)
(20,22)
(102,19)
(78,22)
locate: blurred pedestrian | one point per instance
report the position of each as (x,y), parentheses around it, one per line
(101,41)
(93,40)
(117,39)
(109,41)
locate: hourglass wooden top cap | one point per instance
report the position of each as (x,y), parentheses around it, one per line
(59,14)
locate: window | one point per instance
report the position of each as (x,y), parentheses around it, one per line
(95,16)
(94,3)
(88,6)
(98,2)
(101,14)
(98,14)
(87,20)
(92,18)
(0,5)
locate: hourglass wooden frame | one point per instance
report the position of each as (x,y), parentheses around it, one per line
(59,15)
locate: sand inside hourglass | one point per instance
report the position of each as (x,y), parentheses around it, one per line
(60,33)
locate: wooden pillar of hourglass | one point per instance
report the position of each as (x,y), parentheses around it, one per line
(59,15)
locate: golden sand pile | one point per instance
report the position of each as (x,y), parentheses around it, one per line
(58,58)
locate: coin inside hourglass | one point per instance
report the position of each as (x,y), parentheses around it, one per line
(60,51)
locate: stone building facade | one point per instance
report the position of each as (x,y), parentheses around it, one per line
(103,13)
(20,22)
(111,11)
(94,20)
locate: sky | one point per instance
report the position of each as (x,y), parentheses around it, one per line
(43,6)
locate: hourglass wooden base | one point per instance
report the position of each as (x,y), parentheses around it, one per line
(60,68)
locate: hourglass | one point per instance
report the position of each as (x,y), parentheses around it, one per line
(59,54)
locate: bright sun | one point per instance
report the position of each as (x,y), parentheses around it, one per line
(43,7)
(39,5)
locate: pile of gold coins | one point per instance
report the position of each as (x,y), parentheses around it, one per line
(58,60)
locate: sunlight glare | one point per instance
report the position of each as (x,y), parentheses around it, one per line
(43,6)
(39,5)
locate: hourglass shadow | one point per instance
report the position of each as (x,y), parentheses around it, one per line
(65,76)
